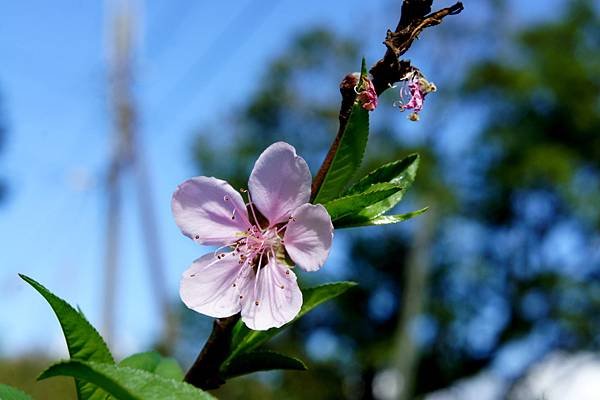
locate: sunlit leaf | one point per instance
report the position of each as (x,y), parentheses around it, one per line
(83,341)
(354,222)
(354,203)
(126,383)
(401,173)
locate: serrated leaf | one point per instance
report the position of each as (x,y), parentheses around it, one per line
(152,361)
(348,157)
(354,203)
(245,340)
(83,341)
(11,393)
(380,220)
(401,173)
(261,361)
(126,383)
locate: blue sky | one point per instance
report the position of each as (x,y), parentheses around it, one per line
(53,79)
(53,83)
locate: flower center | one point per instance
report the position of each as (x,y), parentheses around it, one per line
(256,245)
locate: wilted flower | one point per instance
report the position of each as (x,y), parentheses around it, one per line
(416,88)
(367,96)
(259,240)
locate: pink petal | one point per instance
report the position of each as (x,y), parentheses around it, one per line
(277,301)
(280,182)
(210,286)
(308,236)
(203,208)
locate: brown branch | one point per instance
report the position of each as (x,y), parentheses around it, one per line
(204,373)
(415,16)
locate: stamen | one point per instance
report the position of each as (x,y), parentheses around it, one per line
(285,225)
(258,268)
(244,218)
(236,243)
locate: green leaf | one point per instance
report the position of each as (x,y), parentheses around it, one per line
(348,157)
(10,393)
(83,341)
(401,173)
(245,340)
(354,203)
(152,361)
(381,220)
(261,361)
(126,383)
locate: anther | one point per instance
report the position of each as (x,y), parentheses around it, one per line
(226,198)
(234,285)
(283,287)
(197,237)
(256,302)
(287,272)
(241,297)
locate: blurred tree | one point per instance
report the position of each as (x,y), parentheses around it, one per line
(543,182)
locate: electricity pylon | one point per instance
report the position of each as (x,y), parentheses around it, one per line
(127,159)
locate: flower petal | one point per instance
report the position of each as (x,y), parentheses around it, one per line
(279,182)
(203,208)
(210,286)
(308,236)
(277,300)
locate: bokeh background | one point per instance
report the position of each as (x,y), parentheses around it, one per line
(494,293)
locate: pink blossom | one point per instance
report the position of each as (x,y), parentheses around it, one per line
(368,96)
(249,273)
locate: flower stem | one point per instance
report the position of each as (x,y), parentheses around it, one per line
(204,373)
